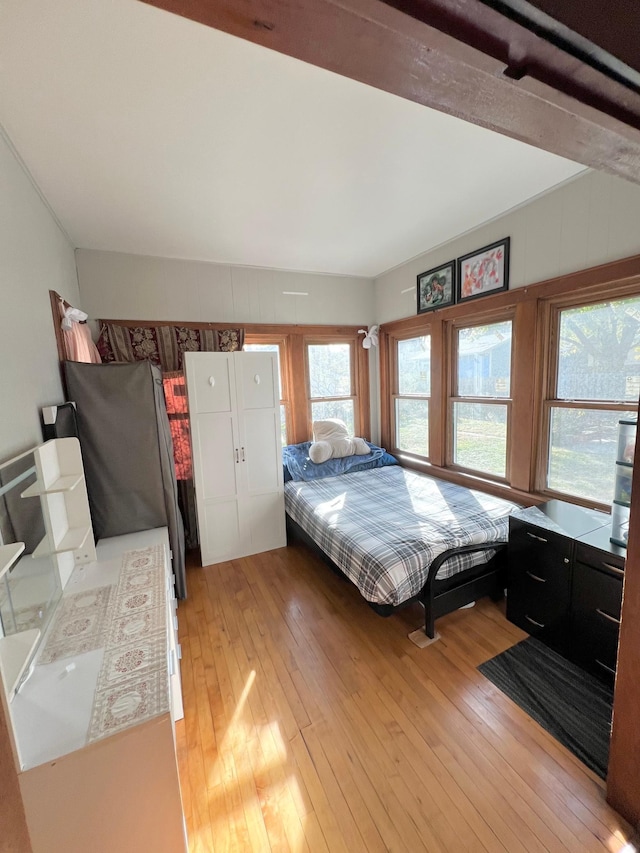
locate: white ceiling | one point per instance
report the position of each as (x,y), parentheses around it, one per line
(151,134)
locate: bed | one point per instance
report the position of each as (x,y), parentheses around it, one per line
(400,536)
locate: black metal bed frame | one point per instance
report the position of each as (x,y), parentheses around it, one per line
(437,597)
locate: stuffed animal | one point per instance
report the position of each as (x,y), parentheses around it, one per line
(332,441)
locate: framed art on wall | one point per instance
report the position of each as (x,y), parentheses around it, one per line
(484,271)
(436,287)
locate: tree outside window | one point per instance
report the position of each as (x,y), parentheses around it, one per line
(596,384)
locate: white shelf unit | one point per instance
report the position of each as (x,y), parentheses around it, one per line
(73,539)
(62,484)
(65,505)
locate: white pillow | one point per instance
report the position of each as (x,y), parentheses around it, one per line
(336,447)
(320,451)
(329,429)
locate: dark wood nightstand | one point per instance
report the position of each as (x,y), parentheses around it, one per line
(565,582)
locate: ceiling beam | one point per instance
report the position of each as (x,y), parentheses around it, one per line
(462,58)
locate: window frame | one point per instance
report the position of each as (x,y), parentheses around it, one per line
(321,340)
(453,397)
(424,331)
(550,315)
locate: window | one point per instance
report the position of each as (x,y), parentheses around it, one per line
(331,382)
(481,401)
(411,397)
(594,382)
(284,403)
(324,373)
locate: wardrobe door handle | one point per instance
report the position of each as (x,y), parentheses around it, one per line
(533,622)
(607,616)
(539,538)
(237,458)
(242,452)
(536,578)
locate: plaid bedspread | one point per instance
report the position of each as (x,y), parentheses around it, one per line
(384,527)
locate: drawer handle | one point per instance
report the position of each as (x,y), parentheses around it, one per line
(604,666)
(607,616)
(614,569)
(539,538)
(536,578)
(533,622)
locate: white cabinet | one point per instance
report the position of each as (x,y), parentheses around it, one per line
(93,729)
(237,453)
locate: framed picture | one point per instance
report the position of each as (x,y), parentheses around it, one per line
(436,287)
(484,271)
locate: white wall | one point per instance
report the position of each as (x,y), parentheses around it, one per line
(35,256)
(588,221)
(135,287)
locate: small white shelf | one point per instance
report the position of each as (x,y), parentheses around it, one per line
(8,555)
(63,484)
(73,539)
(15,653)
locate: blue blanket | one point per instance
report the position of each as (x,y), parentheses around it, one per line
(298,465)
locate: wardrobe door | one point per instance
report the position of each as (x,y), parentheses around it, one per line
(259,416)
(216,456)
(257,385)
(210,382)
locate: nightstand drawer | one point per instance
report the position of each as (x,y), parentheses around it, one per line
(598,592)
(538,580)
(540,557)
(596,602)
(536,607)
(610,563)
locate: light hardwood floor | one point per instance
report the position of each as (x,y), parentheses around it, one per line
(312,724)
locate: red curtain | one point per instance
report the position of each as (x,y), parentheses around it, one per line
(175,393)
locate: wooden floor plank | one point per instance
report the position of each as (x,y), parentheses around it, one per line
(311,724)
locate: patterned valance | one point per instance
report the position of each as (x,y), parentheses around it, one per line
(163,345)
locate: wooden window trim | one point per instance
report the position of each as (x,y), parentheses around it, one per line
(359,364)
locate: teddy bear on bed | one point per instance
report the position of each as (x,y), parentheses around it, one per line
(331,440)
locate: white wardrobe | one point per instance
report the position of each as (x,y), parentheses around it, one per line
(234,405)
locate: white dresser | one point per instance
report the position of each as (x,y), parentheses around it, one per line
(93,724)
